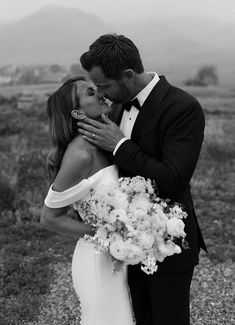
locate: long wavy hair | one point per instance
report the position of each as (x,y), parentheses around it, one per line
(62,127)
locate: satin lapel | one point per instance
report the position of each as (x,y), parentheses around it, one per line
(116,113)
(150,106)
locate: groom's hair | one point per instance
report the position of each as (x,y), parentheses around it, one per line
(113,54)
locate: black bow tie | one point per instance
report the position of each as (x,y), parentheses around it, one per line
(127,106)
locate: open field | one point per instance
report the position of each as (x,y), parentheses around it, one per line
(35,279)
(9,91)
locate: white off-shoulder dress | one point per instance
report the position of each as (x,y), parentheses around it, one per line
(103,295)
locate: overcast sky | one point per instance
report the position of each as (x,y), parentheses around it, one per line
(124,10)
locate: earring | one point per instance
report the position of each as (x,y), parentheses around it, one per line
(78,115)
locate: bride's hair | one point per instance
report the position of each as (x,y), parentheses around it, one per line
(62,127)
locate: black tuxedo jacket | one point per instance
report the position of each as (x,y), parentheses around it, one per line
(165,144)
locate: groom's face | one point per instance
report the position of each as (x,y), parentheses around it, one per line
(114,90)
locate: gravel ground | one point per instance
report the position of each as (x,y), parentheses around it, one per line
(212,293)
(212,296)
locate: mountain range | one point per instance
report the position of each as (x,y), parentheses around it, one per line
(177,47)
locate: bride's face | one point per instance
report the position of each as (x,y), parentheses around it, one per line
(90,105)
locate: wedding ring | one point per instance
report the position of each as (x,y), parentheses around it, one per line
(93,136)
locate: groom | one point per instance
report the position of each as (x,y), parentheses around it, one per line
(155,131)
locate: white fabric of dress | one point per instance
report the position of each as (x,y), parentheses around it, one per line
(103,295)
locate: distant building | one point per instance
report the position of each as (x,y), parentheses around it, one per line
(25,102)
(53,77)
(5,80)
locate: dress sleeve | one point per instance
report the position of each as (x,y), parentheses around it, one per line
(73,194)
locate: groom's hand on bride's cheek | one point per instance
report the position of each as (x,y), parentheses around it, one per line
(105,134)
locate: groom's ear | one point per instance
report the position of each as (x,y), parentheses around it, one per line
(128,76)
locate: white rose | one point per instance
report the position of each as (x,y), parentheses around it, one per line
(134,234)
(160,220)
(109,228)
(134,254)
(139,213)
(166,249)
(118,250)
(118,214)
(157,206)
(143,226)
(116,237)
(134,260)
(120,200)
(129,228)
(101,233)
(160,257)
(169,248)
(139,202)
(163,250)
(175,227)
(177,249)
(146,240)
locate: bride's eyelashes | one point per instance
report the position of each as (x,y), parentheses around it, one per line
(90,91)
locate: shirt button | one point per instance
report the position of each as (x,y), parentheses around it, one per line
(130,118)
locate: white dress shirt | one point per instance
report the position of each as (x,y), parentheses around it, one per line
(129,117)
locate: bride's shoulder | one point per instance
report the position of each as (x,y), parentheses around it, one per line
(77,151)
(75,166)
(78,144)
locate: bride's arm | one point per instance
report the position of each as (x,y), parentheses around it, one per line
(56,220)
(75,167)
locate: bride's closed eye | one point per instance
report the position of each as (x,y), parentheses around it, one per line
(90,91)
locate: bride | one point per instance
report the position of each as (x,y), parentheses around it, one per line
(75,167)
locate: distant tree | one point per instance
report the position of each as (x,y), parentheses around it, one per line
(75,69)
(205,76)
(4,100)
(29,76)
(11,123)
(208,75)
(55,68)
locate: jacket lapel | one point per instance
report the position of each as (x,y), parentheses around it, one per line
(152,105)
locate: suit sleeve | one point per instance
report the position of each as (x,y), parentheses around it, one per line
(180,151)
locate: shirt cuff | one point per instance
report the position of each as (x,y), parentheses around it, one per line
(119,144)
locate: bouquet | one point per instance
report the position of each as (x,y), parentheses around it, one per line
(133,225)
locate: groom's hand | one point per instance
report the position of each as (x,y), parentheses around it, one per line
(105,134)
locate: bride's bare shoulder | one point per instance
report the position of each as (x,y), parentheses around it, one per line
(75,166)
(78,143)
(78,150)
